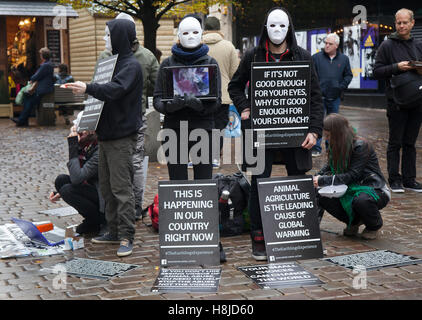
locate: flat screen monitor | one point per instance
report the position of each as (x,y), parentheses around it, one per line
(200,81)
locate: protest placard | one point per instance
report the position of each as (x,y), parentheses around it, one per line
(289,218)
(280,103)
(103,73)
(189,219)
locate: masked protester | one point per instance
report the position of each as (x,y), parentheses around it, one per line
(80,188)
(149,65)
(354,163)
(199,114)
(189,51)
(277,43)
(117,133)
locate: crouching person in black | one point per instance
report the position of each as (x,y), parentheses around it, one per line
(80,187)
(354,163)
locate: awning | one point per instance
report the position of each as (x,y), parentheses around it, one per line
(33,9)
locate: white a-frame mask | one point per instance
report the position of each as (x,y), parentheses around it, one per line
(107,39)
(277,26)
(190,33)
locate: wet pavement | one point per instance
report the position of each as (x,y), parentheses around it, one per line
(32,157)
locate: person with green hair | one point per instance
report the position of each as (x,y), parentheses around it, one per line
(352,161)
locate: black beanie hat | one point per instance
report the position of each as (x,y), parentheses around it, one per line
(212,23)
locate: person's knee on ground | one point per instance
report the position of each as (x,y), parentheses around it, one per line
(61,180)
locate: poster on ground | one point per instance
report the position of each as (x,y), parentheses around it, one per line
(189,223)
(280,275)
(280,103)
(187,280)
(93,107)
(289,218)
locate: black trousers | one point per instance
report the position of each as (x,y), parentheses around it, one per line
(365,208)
(288,155)
(82,197)
(179,170)
(404,128)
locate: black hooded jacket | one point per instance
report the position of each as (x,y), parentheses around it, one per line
(240,79)
(390,53)
(258,54)
(123,94)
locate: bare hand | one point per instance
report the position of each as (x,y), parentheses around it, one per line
(77,87)
(54,196)
(245,114)
(315,178)
(309,142)
(405,66)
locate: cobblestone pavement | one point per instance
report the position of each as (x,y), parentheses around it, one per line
(32,157)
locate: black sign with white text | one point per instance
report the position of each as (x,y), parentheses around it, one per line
(289,218)
(93,107)
(280,103)
(187,280)
(189,222)
(280,275)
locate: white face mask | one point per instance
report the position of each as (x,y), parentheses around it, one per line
(277,26)
(107,39)
(189,33)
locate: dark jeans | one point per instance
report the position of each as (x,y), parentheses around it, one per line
(330,106)
(115,171)
(288,155)
(82,197)
(179,170)
(404,128)
(29,102)
(364,207)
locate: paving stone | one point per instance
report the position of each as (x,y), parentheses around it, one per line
(28,176)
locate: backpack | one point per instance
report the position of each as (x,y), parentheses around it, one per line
(234,218)
(152,210)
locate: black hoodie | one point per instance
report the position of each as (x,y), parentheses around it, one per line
(238,83)
(121,115)
(390,53)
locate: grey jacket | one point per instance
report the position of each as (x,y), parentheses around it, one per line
(88,172)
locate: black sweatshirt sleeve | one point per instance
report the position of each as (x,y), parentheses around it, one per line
(384,68)
(118,87)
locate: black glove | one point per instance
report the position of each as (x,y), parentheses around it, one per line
(175,105)
(193,102)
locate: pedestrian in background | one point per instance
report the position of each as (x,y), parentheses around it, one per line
(335,75)
(117,134)
(43,83)
(149,65)
(225,54)
(404,121)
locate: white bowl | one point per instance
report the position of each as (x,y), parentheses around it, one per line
(332,191)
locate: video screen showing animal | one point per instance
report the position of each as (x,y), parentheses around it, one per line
(191,81)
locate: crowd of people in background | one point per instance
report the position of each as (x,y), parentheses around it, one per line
(105,182)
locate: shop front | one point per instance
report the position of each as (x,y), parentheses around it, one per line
(25,28)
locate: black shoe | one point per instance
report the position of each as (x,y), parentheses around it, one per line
(15,120)
(258,246)
(414,186)
(86,228)
(396,187)
(222,254)
(140,213)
